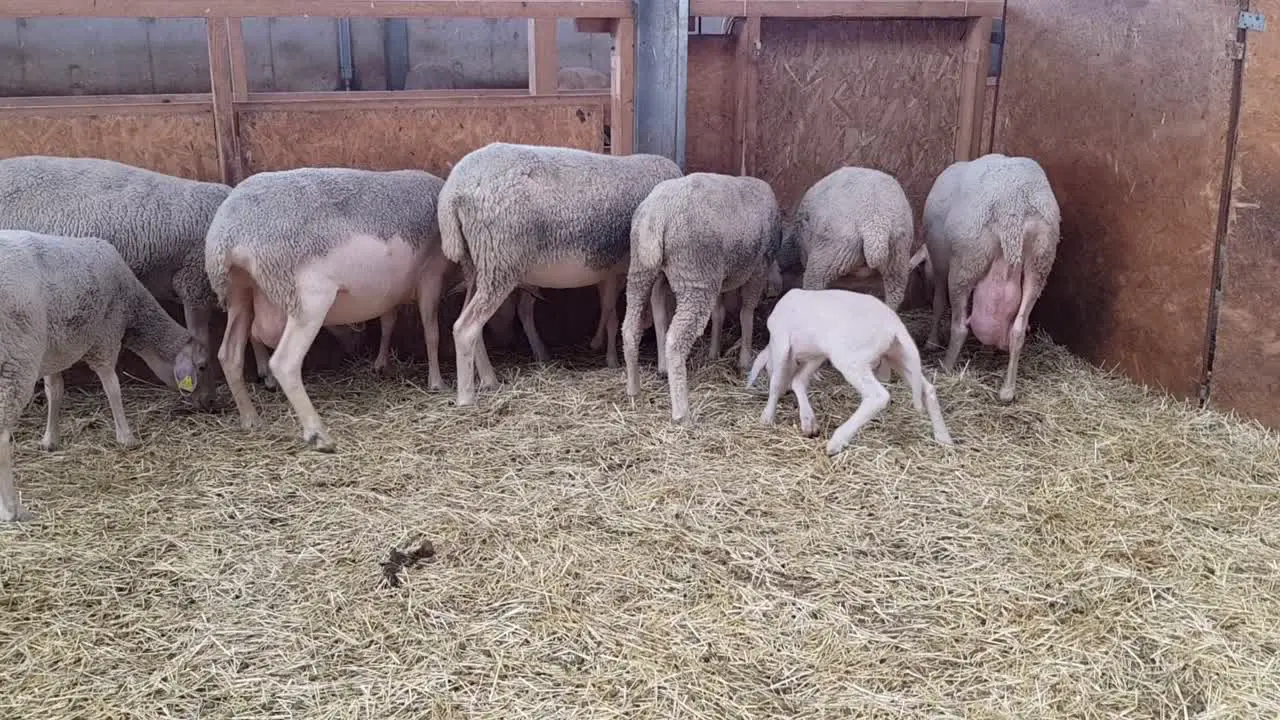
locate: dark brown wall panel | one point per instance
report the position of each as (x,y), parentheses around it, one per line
(1246,367)
(1126,105)
(389,139)
(712,104)
(180,144)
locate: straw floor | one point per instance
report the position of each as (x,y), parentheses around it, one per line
(1089,551)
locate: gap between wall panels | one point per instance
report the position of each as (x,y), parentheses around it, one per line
(1224,216)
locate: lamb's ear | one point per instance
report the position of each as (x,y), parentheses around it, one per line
(184,370)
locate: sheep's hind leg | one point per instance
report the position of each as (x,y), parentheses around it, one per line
(53,399)
(694,306)
(231,354)
(1032,285)
(800,386)
(875,398)
(106,371)
(286,363)
(468,341)
(16,388)
(641,286)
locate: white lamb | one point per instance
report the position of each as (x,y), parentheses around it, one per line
(64,300)
(293,251)
(992,228)
(856,332)
(706,235)
(536,216)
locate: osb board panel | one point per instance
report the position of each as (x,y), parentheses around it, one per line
(1246,366)
(881,94)
(1126,106)
(712,104)
(988,118)
(431,139)
(181,144)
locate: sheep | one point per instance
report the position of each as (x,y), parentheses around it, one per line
(856,332)
(64,300)
(157,222)
(705,235)
(292,251)
(538,216)
(992,227)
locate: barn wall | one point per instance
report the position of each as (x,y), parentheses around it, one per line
(1246,365)
(1127,106)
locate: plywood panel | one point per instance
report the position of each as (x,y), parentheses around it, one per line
(1126,106)
(710,108)
(881,94)
(1246,366)
(181,144)
(388,139)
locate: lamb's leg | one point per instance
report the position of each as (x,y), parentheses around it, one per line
(717,327)
(106,372)
(1032,286)
(895,291)
(641,285)
(53,398)
(658,301)
(11,509)
(430,287)
(609,317)
(875,398)
(800,386)
(959,324)
(751,293)
(906,359)
(231,354)
(525,310)
(694,306)
(388,323)
(199,322)
(467,330)
(262,358)
(781,370)
(286,363)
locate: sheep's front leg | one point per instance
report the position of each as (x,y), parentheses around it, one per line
(261,359)
(286,363)
(609,290)
(750,294)
(694,306)
(53,398)
(106,372)
(717,327)
(388,323)
(875,398)
(430,287)
(11,509)
(525,310)
(199,322)
(1032,285)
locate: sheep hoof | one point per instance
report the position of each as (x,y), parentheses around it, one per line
(21,515)
(1007,395)
(834,448)
(809,431)
(48,445)
(319,442)
(127,442)
(269,382)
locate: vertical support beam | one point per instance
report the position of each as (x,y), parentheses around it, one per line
(395,51)
(662,52)
(224,110)
(622,111)
(238,59)
(544,56)
(748,79)
(973,83)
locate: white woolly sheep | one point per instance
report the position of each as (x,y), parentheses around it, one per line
(537,216)
(705,234)
(292,251)
(64,300)
(856,332)
(157,223)
(992,228)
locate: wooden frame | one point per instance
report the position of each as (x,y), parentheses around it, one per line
(980,15)
(231,94)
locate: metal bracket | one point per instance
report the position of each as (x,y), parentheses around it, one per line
(1252,21)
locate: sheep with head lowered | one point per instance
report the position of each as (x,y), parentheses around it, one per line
(992,227)
(704,235)
(293,251)
(857,332)
(66,300)
(536,216)
(156,222)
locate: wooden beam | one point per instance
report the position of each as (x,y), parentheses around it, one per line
(544,56)
(848,8)
(224,112)
(418,99)
(83,105)
(747,73)
(239,60)
(622,60)
(973,76)
(317,8)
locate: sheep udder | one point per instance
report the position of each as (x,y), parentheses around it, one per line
(996,300)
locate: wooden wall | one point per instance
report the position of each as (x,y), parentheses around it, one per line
(1127,107)
(1246,364)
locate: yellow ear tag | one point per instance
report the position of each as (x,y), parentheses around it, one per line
(187,384)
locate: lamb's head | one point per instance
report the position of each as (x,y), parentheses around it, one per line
(787,269)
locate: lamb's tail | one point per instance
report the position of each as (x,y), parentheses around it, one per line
(761,364)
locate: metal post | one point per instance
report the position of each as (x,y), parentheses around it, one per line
(662,72)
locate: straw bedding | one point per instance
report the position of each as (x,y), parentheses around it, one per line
(1089,551)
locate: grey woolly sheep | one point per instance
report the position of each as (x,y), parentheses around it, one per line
(705,235)
(156,222)
(292,251)
(536,216)
(63,300)
(992,228)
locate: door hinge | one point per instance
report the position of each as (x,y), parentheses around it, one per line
(1252,21)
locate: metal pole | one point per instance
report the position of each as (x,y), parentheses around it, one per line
(662,51)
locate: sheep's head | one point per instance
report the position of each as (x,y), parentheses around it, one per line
(189,365)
